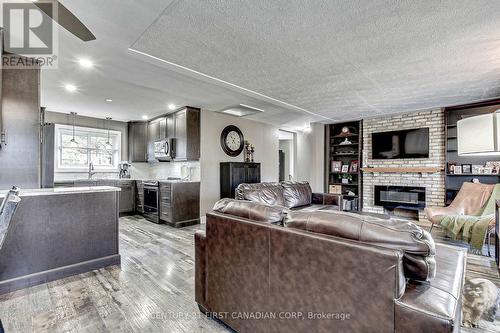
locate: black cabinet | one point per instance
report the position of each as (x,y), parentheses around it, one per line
(233,174)
(137,141)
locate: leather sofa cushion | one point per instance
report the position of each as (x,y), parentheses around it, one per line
(297,194)
(270,195)
(417,244)
(432,306)
(254,186)
(250,210)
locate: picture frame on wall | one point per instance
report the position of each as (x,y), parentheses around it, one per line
(345,168)
(353,167)
(336,166)
(476,169)
(457,170)
(466,168)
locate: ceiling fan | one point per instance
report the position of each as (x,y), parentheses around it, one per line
(65,19)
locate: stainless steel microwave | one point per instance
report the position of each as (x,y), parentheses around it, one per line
(164,149)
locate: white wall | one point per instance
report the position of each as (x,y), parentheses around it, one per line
(310,157)
(264,137)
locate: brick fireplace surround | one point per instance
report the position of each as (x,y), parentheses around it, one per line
(434,183)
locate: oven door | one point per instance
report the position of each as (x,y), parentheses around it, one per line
(151,204)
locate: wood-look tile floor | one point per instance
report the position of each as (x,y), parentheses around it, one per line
(153,291)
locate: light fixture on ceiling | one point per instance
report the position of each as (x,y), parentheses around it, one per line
(241,110)
(172,107)
(479,135)
(70,88)
(85,63)
(109,100)
(145,117)
(73,142)
(109,146)
(307,128)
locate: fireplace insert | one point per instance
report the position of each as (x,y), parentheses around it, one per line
(407,197)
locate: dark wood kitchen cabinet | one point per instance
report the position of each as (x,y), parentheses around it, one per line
(127,196)
(179,203)
(233,174)
(137,141)
(154,134)
(186,123)
(139,196)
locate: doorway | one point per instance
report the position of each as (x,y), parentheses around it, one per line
(286,155)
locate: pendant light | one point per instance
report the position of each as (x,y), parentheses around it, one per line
(73,142)
(479,135)
(109,146)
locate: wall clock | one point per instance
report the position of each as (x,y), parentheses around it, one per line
(231,140)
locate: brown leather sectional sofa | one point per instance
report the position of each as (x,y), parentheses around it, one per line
(324,272)
(294,196)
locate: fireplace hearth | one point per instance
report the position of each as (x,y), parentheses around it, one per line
(400,197)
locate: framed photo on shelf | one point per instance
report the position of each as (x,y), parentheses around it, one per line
(450,167)
(486,170)
(336,166)
(466,168)
(457,170)
(495,165)
(353,167)
(476,169)
(335,189)
(345,168)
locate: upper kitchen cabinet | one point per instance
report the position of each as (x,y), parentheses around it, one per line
(182,125)
(137,141)
(187,134)
(156,131)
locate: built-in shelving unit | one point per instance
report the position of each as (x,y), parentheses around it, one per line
(453,115)
(337,149)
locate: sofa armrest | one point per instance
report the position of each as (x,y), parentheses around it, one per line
(200,270)
(326,199)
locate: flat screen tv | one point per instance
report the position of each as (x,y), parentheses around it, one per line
(413,143)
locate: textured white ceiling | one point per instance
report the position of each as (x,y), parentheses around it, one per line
(137,85)
(341,59)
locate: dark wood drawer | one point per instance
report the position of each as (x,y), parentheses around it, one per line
(165,212)
(165,186)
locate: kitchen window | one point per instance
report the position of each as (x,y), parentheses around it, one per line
(89,145)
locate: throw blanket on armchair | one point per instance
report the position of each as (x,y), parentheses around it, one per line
(472,228)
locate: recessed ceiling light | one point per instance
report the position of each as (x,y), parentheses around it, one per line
(109,100)
(172,107)
(241,110)
(85,63)
(70,88)
(145,117)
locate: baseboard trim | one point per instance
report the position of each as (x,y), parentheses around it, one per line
(30,280)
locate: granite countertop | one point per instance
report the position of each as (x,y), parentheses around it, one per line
(63,190)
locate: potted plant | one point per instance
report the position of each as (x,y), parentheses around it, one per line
(346,178)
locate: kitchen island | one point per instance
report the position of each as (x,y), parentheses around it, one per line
(59,232)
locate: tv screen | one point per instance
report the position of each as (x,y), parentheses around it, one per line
(412,143)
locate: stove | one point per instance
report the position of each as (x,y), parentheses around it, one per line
(151,201)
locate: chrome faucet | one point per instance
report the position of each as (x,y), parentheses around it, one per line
(91,170)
